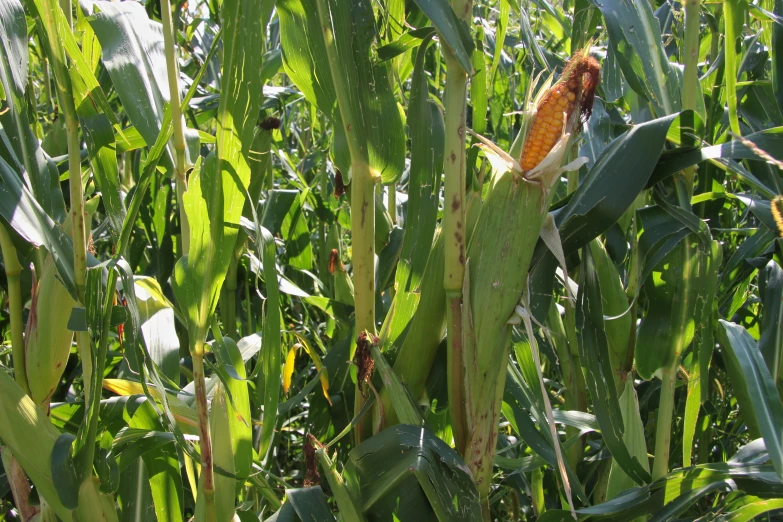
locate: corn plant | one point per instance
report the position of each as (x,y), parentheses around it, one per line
(466,260)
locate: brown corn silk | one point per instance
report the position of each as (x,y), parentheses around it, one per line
(575,87)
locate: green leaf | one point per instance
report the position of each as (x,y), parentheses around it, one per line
(99,136)
(771,340)
(222,446)
(157,318)
(705,313)
(239,416)
(407,470)
(500,37)
(672,286)
(309,504)
(270,359)
(13,49)
(453,31)
(634,440)
(622,170)
(132,52)
(770,140)
(27,432)
(306,63)
(404,43)
(63,470)
(425,124)
(760,397)
(30,221)
(25,152)
(635,37)
(594,354)
(161,465)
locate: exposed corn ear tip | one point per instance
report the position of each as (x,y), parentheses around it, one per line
(560,109)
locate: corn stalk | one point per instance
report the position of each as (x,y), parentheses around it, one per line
(663,432)
(362,196)
(176,116)
(455,108)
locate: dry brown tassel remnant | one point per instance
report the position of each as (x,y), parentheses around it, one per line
(363,359)
(556,109)
(312,477)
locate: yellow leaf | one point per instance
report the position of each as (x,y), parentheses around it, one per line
(288,371)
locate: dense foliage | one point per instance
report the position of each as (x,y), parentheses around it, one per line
(391,260)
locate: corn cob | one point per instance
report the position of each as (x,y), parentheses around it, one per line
(556,109)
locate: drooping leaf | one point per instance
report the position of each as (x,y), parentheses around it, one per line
(760,397)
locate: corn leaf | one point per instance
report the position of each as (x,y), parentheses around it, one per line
(771,340)
(269,361)
(132,51)
(411,461)
(593,352)
(222,446)
(25,151)
(161,465)
(635,37)
(22,211)
(306,63)
(30,436)
(454,32)
(760,397)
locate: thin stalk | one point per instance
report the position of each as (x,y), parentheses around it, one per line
(47,83)
(172,70)
(228,295)
(691,88)
(669,373)
(391,207)
(88,451)
(391,203)
(663,426)
(730,12)
(12,271)
(455,108)
(207,474)
(323,254)
(362,199)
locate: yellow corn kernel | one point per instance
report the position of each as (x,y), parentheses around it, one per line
(575,89)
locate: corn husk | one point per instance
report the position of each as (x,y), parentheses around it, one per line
(499,256)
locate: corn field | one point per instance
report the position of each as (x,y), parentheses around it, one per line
(389,260)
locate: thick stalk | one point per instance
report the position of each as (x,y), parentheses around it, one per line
(455,107)
(12,271)
(172,70)
(68,108)
(663,425)
(362,198)
(65,96)
(207,475)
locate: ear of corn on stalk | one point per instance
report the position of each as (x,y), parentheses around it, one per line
(95,506)
(501,249)
(27,433)
(47,338)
